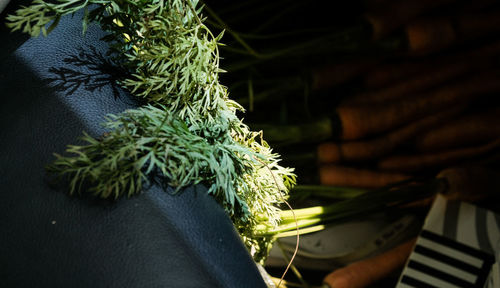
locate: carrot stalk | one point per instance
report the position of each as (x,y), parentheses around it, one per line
(334,152)
(368,271)
(363,120)
(412,163)
(352,177)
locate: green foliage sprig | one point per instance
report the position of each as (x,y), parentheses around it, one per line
(189,133)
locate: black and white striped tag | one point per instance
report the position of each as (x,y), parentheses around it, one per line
(450,252)
(441,262)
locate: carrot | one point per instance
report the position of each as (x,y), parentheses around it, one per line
(429,78)
(332,152)
(421,203)
(430,35)
(334,175)
(466,130)
(331,75)
(392,73)
(472,26)
(412,163)
(368,271)
(475,6)
(359,121)
(421,68)
(397,13)
(425,75)
(471,183)
(434,34)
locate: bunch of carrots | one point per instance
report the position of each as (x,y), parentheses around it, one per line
(422,111)
(408,94)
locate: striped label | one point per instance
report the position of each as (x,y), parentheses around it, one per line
(454,248)
(441,262)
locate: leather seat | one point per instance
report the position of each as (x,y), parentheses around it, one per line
(50,239)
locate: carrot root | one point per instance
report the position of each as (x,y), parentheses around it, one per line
(368,271)
(331,152)
(334,175)
(413,163)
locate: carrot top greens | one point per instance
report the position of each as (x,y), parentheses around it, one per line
(188,133)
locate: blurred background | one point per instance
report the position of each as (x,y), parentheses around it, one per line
(379,105)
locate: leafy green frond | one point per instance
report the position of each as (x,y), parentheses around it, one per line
(188,134)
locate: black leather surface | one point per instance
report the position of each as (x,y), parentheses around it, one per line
(49,239)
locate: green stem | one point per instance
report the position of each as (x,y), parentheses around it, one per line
(329,191)
(318,130)
(366,203)
(234,34)
(279,15)
(303,231)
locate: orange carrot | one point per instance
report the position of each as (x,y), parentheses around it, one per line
(471,183)
(433,34)
(466,130)
(366,272)
(386,74)
(472,26)
(359,121)
(334,152)
(475,6)
(331,75)
(421,203)
(334,175)
(391,16)
(430,35)
(412,163)
(427,79)
(425,75)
